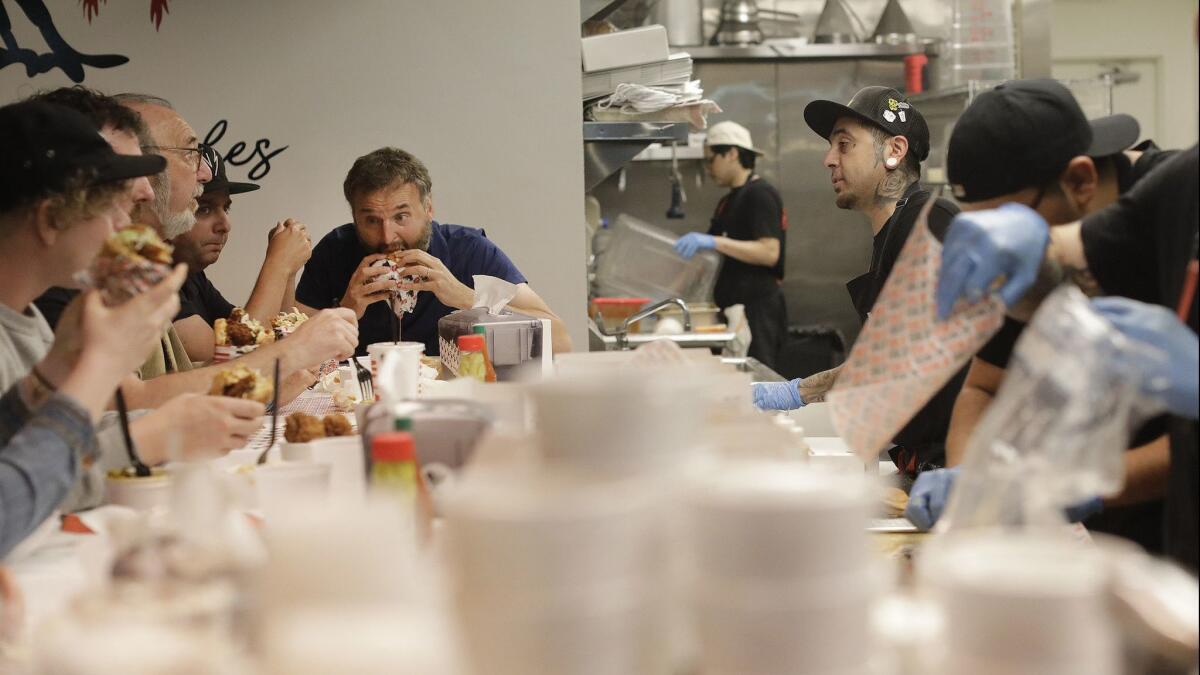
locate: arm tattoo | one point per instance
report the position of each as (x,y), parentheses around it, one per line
(1051,273)
(814,387)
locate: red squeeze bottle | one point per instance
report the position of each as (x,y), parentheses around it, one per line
(914,66)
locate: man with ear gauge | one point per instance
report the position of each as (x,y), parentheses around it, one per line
(749,228)
(876,145)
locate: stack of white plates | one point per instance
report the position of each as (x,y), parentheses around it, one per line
(783,575)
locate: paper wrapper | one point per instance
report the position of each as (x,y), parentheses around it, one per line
(904,355)
(402,301)
(119,278)
(227,353)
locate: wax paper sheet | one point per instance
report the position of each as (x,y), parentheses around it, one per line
(904,355)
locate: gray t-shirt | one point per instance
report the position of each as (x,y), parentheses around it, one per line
(25,338)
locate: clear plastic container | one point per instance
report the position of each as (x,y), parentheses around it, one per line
(640,260)
(981,45)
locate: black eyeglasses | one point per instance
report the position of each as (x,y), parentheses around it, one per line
(193,156)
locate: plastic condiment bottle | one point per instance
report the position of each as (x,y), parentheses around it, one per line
(394,469)
(471,362)
(394,464)
(487,358)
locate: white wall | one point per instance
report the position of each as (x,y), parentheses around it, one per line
(486,93)
(1157,37)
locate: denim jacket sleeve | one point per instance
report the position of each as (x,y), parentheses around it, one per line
(41,456)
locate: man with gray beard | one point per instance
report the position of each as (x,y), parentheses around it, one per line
(176,189)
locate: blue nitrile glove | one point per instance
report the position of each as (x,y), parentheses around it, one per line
(690,243)
(1077,513)
(927,498)
(777,395)
(1006,243)
(1173,379)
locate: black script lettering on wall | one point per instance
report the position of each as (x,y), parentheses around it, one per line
(61,55)
(240,153)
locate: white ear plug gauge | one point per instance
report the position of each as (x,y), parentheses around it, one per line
(891,162)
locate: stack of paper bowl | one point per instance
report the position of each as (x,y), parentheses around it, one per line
(557,576)
(783,575)
(616,424)
(1021,603)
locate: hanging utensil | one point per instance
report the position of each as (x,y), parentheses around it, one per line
(678,196)
(139,468)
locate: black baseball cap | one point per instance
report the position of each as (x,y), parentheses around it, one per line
(46,144)
(219,180)
(1023,134)
(882,107)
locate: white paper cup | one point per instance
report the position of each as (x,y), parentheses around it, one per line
(344,455)
(139,493)
(377,350)
(280,487)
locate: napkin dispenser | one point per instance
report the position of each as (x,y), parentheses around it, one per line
(513,340)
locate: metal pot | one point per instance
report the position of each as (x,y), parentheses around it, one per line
(739,24)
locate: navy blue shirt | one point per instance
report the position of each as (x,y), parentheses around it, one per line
(465,251)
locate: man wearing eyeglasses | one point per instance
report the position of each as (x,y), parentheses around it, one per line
(177,189)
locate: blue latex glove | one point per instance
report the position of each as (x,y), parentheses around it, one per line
(1006,243)
(1085,509)
(777,395)
(927,498)
(1173,379)
(690,243)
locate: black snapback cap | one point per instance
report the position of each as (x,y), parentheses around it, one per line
(46,144)
(1020,134)
(881,107)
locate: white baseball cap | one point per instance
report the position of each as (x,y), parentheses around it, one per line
(731,133)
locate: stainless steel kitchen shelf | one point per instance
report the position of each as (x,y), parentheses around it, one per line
(608,146)
(789,50)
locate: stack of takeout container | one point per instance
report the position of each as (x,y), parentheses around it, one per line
(783,577)
(1019,603)
(557,575)
(566,565)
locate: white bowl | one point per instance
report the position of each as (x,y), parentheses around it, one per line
(139,493)
(344,455)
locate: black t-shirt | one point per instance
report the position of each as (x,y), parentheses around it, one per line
(465,251)
(1140,248)
(748,213)
(923,439)
(199,297)
(52,303)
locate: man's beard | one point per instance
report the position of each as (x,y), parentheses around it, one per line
(846,200)
(172,224)
(421,244)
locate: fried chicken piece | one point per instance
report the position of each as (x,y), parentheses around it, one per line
(337,425)
(242,382)
(302,428)
(239,334)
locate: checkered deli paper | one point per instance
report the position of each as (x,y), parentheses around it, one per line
(904,355)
